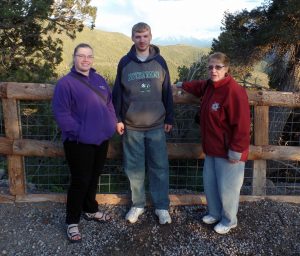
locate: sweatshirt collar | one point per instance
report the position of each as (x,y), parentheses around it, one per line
(92,71)
(153,52)
(222,82)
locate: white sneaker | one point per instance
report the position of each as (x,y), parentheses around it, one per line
(163,216)
(222,229)
(133,214)
(208,219)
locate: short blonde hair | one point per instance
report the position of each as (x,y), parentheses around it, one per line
(140,27)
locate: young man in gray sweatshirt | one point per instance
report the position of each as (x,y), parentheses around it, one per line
(142,97)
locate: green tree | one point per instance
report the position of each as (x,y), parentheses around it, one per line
(270,32)
(30,49)
(197,70)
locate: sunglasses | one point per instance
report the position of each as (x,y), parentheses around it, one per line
(217,67)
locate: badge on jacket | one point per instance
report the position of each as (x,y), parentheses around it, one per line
(215,106)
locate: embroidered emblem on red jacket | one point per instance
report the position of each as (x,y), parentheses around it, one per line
(215,106)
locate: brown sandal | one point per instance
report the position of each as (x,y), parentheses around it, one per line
(97,216)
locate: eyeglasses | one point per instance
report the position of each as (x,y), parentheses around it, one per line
(217,67)
(89,57)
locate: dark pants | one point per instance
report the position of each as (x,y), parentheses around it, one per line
(86,163)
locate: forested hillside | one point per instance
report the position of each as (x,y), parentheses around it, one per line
(109,47)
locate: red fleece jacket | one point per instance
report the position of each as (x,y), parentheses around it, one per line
(224,116)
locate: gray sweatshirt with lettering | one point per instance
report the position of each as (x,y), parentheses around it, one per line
(142,93)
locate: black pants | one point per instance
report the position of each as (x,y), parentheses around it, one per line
(86,163)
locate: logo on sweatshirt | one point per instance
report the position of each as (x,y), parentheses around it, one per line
(215,106)
(102,87)
(145,88)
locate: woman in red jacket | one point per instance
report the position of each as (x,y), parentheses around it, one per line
(225,131)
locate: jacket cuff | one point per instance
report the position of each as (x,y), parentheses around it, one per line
(179,84)
(234,155)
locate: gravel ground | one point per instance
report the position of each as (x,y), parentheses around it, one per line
(265,228)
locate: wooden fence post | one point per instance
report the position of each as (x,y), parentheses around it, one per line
(261,138)
(15,163)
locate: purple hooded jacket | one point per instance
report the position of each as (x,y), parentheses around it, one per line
(80,113)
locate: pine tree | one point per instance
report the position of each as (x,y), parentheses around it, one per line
(29,49)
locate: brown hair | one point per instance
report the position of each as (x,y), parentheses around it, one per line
(222,57)
(82,45)
(140,27)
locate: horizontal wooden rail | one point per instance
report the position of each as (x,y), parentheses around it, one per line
(26,147)
(34,91)
(273,98)
(256,98)
(26,91)
(122,199)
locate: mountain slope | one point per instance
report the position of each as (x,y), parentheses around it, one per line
(182,40)
(109,47)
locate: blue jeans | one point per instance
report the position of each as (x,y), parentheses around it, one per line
(147,149)
(222,184)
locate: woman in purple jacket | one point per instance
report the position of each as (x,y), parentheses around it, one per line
(84,112)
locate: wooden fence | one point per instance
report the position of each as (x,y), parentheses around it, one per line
(16,148)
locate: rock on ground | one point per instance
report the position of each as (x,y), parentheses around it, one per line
(265,228)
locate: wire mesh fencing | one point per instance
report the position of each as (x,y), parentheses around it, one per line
(51,175)
(2,132)
(284,126)
(3,161)
(283,177)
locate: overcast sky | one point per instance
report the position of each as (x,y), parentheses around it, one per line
(168,18)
